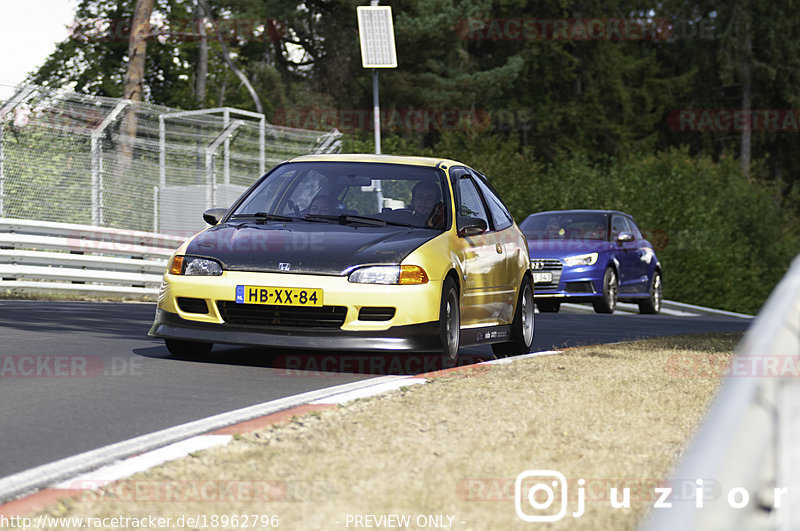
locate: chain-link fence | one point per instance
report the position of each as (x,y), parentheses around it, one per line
(110,162)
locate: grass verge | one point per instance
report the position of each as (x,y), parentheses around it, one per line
(51,295)
(448,452)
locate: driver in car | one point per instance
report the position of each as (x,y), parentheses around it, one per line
(424,197)
(322,205)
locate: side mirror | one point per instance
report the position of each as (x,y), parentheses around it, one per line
(624,237)
(471,227)
(213,215)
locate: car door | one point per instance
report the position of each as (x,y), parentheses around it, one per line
(515,249)
(481,256)
(626,254)
(640,282)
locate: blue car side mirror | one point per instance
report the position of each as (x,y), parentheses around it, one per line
(624,237)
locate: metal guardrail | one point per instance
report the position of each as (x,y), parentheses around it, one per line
(747,453)
(82,259)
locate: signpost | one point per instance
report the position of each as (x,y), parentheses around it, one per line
(376,34)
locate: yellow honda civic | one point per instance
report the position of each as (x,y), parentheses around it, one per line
(354,252)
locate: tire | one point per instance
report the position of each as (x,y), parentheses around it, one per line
(608,302)
(449,322)
(653,303)
(188,349)
(522,327)
(548,306)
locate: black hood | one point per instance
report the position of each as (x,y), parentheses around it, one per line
(317,248)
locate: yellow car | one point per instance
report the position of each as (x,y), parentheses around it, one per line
(354,252)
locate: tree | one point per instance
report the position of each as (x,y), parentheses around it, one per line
(137,50)
(747,57)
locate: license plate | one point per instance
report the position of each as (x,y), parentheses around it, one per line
(542,277)
(278,296)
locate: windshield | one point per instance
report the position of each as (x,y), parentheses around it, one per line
(566,226)
(393,193)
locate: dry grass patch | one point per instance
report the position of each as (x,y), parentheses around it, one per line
(50,295)
(612,414)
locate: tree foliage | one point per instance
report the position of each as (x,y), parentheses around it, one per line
(560,122)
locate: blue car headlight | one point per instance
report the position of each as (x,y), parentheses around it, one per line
(581,260)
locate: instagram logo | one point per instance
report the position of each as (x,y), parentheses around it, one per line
(535,492)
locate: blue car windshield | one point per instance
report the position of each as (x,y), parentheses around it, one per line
(566,226)
(391,193)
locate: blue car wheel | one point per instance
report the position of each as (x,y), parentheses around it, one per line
(608,301)
(653,303)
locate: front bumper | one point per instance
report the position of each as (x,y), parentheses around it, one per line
(414,325)
(422,337)
(582,283)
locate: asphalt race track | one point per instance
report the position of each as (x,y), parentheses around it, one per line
(75,376)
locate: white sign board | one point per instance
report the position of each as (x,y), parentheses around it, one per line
(376,33)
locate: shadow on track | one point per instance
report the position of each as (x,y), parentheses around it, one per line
(291,362)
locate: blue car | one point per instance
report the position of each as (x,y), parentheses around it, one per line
(596,256)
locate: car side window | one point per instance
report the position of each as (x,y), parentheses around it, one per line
(500,215)
(637,234)
(618,225)
(469,203)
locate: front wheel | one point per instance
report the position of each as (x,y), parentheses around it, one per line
(653,303)
(522,327)
(450,322)
(608,302)
(186,349)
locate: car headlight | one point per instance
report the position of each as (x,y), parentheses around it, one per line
(407,274)
(183,265)
(581,259)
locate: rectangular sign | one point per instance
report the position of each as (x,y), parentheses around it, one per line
(376,34)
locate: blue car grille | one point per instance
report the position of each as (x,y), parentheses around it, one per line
(547,265)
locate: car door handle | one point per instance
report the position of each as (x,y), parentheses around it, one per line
(498,248)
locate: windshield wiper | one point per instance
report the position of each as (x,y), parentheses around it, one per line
(263,216)
(350,219)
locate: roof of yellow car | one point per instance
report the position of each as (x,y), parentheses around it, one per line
(368,157)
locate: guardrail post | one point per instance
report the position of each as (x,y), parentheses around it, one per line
(262,127)
(162,152)
(226,150)
(97,162)
(211,181)
(2,172)
(155,209)
(19,97)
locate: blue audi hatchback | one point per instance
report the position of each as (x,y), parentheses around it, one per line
(597,256)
